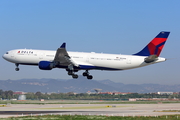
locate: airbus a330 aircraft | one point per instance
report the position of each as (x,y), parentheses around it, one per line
(75,61)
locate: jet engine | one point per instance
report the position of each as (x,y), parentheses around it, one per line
(46,65)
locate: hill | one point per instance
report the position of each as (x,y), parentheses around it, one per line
(81,85)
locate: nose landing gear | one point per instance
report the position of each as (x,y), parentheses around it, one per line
(17,67)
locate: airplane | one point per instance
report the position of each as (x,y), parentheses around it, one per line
(75,61)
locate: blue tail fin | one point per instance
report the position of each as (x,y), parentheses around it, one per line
(155,46)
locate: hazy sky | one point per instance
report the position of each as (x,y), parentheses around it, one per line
(108,26)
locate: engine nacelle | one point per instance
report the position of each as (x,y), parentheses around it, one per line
(45,65)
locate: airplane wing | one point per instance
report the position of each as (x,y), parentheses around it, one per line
(150,58)
(62,57)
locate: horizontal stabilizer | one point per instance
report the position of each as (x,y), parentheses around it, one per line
(150,58)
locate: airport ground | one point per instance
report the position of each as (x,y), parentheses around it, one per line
(89,108)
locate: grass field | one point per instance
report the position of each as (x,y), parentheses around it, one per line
(82,117)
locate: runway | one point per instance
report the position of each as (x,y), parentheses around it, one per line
(89,109)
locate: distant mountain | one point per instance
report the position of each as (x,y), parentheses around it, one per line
(81,85)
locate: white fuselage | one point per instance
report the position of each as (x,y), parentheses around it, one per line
(93,60)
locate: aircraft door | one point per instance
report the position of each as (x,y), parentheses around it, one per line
(128,60)
(87,58)
(41,55)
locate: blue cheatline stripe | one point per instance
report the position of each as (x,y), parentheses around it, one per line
(27,63)
(88,67)
(81,67)
(96,67)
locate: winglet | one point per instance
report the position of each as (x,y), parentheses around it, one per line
(63,45)
(155,46)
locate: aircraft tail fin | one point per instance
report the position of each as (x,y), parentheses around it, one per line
(155,46)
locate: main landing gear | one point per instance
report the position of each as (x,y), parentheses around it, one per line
(17,67)
(75,76)
(86,73)
(70,72)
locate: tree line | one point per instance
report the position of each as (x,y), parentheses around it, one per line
(83,96)
(6,94)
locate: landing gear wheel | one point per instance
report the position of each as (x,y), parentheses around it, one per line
(85,74)
(75,76)
(89,77)
(17,69)
(70,73)
(17,65)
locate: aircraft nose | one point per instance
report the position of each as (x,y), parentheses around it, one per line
(4,56)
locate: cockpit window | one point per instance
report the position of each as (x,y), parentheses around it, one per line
(7,52)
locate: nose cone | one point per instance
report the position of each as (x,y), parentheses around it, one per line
(4,56)
(9,56)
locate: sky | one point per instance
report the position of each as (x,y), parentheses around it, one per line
(117,27)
